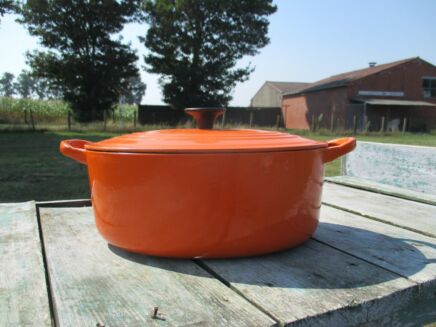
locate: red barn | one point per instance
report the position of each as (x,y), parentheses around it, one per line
(397,92)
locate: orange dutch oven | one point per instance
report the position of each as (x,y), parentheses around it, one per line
(206,193)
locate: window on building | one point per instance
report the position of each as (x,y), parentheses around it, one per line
(429,87)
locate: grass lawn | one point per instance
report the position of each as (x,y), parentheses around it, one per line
(31,167)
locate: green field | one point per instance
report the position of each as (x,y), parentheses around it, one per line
(31,167)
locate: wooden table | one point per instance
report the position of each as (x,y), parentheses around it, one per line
(372,261)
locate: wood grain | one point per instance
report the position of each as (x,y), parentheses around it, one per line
(94,283)
(380,188)
(408,254)
(23,289)
(315,284)
(412,215)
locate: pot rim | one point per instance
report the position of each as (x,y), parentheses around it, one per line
(248,151)
(331,150)
(205,141)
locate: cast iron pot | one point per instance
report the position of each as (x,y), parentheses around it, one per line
(206,193)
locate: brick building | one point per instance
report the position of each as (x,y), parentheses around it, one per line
(401,91)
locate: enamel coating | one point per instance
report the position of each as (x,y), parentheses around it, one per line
(206,205)
(205,141)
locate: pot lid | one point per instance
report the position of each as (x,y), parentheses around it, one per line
(204,139)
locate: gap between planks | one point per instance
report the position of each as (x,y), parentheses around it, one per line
(54,318)
(363,259)
(378,219)
(203,265)
(54,204)
(396,194)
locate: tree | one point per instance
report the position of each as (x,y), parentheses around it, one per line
(195,46)
(83,59)
(134,92)
(7,6)
(7,85)
(41,87)
(25,84)
(44,88)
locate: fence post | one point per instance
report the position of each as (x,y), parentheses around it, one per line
(278,121)
(382,127)
(404,126)
(135,115)
(69,120)
(104,120)
(332,122)
(32,121)
(354,124)
(365,118)
(25,116)
(367,124)
(223,121)
(319,120)
(251,118)
(313,123)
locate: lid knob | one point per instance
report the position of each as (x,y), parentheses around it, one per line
(205,117)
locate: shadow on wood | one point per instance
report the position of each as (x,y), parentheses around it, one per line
(314,265)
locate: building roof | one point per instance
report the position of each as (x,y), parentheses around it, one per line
(286,87)
(394,102)
(345,79)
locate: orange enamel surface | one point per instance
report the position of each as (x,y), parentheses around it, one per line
(206,193)
(206,205)
(212,141)
(74,149)
(339,147)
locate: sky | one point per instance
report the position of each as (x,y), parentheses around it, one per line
(309,40)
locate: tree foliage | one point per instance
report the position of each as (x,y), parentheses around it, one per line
(196,44)
(7,85)
(25,85)
(7,6)
(44,88)
(83,59)
(134,92)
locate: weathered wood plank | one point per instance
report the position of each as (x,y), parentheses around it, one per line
(94,283)
(420,312)
(23,289)
(406,253)
(412,215)
(394,164)
(371,186)
(315,284)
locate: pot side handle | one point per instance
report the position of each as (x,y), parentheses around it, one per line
(74,149)
(338,147)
